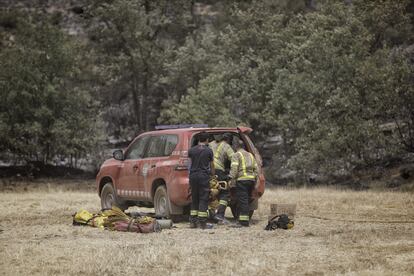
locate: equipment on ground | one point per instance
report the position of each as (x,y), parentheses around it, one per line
(280,222)
(116,220)
(165,223)
(83,217)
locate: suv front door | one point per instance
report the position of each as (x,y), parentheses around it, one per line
(130,177)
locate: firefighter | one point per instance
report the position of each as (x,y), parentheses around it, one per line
(202,167)
(213,144)
(243,173)
(222,159)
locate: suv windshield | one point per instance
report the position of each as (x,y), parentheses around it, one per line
(136,150)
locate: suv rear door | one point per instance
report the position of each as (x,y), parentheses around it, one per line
(159,150)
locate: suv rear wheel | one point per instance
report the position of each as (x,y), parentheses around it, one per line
(108,198)
(161,202)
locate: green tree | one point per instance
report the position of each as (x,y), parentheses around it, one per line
(396,102)
(133,40)
(322,79)
(44,111)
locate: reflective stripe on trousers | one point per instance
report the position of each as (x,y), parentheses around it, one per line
(202,214)
(223,202)
(244,217)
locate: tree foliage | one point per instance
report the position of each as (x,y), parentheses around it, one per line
(44,111)
(135,38)
(333,78)
(327,80)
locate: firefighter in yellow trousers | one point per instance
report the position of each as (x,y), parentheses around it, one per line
(243,173)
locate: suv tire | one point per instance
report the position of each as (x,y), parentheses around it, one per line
(161,202)
(109,198)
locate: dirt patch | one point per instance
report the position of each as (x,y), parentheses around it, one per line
(37,238)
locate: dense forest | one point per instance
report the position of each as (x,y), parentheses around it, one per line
(326,85)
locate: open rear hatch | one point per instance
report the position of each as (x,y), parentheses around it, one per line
(244,132)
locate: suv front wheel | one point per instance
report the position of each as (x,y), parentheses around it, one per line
(108,198)
(161,202)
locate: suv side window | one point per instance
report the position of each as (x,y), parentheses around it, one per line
(162,145)
(136,150)
(170,144)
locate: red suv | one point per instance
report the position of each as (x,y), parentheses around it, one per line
(153,171)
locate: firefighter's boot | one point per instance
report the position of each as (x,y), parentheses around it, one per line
(205,225)
(193,219)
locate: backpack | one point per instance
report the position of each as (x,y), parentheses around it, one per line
(280,221)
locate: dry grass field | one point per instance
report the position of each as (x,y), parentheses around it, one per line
(336,232)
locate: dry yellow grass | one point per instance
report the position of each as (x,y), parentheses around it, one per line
(336,232)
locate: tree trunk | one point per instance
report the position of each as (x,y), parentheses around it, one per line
(146,75)
(144,107)
(135,96)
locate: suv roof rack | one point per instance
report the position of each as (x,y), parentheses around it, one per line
(162,127)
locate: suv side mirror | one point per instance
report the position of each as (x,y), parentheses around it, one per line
(118,155)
